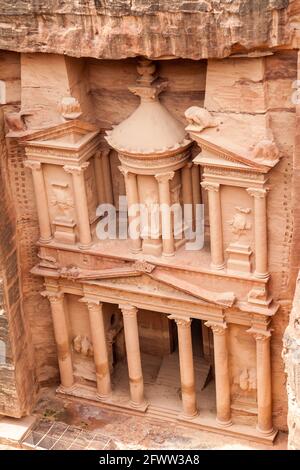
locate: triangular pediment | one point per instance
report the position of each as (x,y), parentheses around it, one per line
(237,141)
(140,277)
(160,282)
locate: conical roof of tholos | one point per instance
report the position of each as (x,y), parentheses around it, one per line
(151,128)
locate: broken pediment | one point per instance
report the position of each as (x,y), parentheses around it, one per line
(242,141)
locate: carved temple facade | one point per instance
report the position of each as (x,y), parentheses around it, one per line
(145,324)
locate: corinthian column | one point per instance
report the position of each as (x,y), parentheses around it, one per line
(99,347)
(260,230)
(263,371)
(215,220)
(186,361)
(165,210)
(133,212)
(221,373)
(136,381)
(81,204)
(61,337)
(41,200)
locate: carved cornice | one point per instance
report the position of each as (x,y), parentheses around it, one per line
(208,186)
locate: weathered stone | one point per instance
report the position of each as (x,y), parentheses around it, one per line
(114,30)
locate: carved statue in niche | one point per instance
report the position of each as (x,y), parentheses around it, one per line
(61,199)
(240,223)
(150,218)
(82,345)
(247,379)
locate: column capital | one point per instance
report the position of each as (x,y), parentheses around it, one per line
(125,172)
(91,302)
(128,310)
(260,335)
(37,166)
(164,177)
(258,193)
(102,153)
(76,170)
(208,186)
(219,328)
(184,322)
(53,297)
(189,165)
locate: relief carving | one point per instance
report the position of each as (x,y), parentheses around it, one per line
(246,379)
(240,223)
(82,345)
(61,199)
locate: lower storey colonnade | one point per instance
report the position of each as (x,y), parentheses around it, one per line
(138,401)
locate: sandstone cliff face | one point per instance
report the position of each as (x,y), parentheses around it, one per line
(112,29)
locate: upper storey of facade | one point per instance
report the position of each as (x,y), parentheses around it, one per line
(200,209)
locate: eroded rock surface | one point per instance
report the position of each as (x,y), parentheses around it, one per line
(126,28)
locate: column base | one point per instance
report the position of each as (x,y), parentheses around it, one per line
(103,397)
(217,266)
(63,389)
(184,416)
(139,406)
(45,241)
(224,424)
(265,433)
(84,247)
(135,250)
(261,275)
(168,255)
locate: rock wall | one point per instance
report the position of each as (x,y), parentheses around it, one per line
(17,371)
(112,29)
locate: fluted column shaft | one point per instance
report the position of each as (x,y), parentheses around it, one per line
(41,200)
(165,210)
(186,362)
(133,213)
(99,347)
(136,381)
(215,220)
(260,231)
(61,337)
(223,399)
(81,203)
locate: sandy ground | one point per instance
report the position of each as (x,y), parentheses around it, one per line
(134,432)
